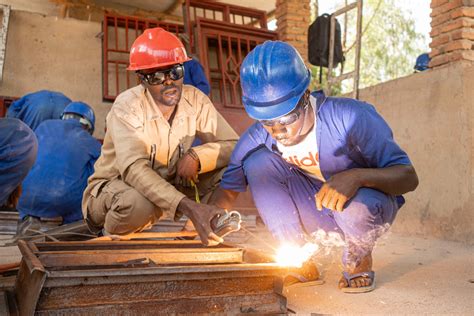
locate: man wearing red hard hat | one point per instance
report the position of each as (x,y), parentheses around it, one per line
(147,167)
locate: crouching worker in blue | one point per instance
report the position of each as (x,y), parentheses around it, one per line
(37,107)
(18,147)
(314,162)
(66,156)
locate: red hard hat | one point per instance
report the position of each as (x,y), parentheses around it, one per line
(156,48)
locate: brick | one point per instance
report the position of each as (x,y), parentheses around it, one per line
(440,19)
(440,40)
(462,11)
(448,6)
(435,52)
(437,3)
(435,31)
(462,55)
(296,30)
(302,37)
(295,17)
(463,33)
(435,12)
(457,24)
(459,45)
(440,49)
(451,57)
(439,60)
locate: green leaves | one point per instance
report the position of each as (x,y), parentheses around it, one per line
(390,45)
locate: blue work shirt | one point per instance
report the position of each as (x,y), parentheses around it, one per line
(34,108)
(66,157)
(350,134)
(18,147)
(194,75)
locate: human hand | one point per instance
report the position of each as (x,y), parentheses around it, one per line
(338,190)
(201,216)
(187,170)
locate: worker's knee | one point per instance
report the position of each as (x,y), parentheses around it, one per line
(368,212)
(130,212)
(263,162)
(121,209)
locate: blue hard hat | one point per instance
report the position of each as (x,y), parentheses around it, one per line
(83,110)
(422,62)
(273,77)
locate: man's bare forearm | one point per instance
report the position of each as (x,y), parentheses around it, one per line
(394,180)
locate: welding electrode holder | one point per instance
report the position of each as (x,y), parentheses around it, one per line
(224,224)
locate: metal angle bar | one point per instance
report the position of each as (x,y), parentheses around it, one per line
(109,245)
(148,235)
(331,51)
(30,280)
(178,270)
(3,36)
(267,303)
(164,251)
(355,92)
(342,77)
(96,258)
(87,294)
(345,9)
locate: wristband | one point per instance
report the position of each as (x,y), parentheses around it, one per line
(193,154)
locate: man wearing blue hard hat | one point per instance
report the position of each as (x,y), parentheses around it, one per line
(422,62)
(36,107)
(18,147)
(315,163)
(66,156)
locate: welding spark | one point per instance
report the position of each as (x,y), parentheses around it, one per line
(289,255)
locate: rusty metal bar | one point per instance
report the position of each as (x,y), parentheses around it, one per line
(105,70)
(90,245)
(116,257)
(30,280)
(207,285)
(234,305)
(149,235)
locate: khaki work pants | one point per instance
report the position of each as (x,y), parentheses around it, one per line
(121,209)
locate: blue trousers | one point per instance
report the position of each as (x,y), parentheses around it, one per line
(285,199)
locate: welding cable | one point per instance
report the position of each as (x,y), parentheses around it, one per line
(196,192)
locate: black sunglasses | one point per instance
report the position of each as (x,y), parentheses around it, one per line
(176,72)
(291,117)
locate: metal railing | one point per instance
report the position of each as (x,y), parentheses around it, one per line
(356,72)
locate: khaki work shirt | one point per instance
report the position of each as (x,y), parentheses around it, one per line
(135,125)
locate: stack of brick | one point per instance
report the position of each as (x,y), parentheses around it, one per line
(452,31)
(293,18)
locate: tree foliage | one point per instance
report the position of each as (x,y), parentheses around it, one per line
(390,43)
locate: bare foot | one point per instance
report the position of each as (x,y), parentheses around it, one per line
(363,281)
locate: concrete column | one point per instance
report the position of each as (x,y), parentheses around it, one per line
(452,31)
(293,18)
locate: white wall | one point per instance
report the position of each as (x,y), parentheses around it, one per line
(46,52)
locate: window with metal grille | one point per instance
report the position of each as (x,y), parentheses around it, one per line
(5,103)
(119,34)
(219,12)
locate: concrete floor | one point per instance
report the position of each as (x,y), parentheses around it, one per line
(413,276)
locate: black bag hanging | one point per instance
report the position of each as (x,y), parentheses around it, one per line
(319,33)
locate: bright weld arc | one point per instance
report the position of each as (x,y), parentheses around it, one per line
(294,256)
